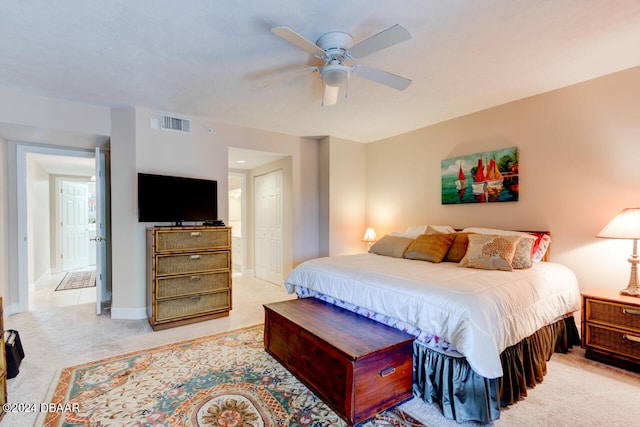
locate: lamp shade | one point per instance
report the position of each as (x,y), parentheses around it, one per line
(369,235)
(626,225)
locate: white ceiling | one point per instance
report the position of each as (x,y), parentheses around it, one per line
(203,58)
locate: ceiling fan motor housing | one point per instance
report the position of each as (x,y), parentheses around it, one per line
(335,45)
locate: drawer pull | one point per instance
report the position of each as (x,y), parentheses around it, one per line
(631,311)
(195,298)
(631,338)
(196,234)
(387,371)
(194,257)
(195,278)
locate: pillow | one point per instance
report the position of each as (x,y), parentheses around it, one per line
(458,248)
(430,247)
(540,246)
(393,246)
(490,252)
(416,230)
(524,249)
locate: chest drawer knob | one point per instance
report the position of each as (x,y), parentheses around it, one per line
(631,338)
(387,371)
(196,234)
(631,311)
(195,278)
(194,257)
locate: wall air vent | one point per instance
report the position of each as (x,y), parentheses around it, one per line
(175,124)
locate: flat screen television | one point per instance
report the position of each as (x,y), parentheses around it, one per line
(163,198)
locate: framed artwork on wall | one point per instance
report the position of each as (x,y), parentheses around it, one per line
(487,177)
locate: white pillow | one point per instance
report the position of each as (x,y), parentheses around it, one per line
(416,230)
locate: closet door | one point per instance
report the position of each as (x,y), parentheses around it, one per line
(268,226)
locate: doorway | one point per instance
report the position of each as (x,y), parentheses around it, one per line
(56,214)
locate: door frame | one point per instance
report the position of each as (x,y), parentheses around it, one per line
(22,304)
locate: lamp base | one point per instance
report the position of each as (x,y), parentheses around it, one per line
(630,292)
(633,290)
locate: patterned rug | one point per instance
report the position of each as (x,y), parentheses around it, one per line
(221,380)
(77,280)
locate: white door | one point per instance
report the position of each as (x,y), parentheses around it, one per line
(101,232)
(74,225)
(268,226)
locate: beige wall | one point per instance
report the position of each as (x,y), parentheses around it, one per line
(345,175)
(579,152)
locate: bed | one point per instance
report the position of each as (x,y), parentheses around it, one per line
(486,306)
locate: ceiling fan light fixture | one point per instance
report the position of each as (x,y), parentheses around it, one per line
(334,73)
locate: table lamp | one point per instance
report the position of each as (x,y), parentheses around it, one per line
(626,225)
(370,236)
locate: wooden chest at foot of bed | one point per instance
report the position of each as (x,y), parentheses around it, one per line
(357,366)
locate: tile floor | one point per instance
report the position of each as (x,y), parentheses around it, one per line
(42,294)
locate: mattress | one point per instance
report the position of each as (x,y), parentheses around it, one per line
(478,312)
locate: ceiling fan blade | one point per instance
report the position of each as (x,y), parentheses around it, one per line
(296,39)
(287,75)
(383,77)
(389,37)
(330,95)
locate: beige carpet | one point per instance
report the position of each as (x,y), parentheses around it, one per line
(77,280)
(575,392)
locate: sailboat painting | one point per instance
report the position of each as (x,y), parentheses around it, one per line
(491,176)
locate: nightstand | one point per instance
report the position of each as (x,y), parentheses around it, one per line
(611,328)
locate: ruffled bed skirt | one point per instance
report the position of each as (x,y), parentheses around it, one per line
(463,395)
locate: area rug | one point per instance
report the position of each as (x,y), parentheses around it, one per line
(77,280)
(220,380)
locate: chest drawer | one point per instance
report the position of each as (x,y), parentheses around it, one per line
(612,314)
(189,263)
(613,340)
(192,305)
(193,283)
(185,240)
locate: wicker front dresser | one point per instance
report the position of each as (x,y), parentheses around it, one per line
(188,274)
(611,328)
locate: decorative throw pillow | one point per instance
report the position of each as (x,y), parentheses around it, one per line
(393,246)
(439,229)
(429,247)
(458,248)
(525,246)
(540,247)
(490,252)
(524,252)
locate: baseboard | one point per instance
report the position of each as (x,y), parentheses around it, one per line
(128,313)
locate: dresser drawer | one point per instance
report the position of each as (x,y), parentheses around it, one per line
(184,240)
(613,340)
(613,314)
(192,306)
(190,263)
(193,283)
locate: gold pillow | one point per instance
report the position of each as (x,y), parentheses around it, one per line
(393,246)
(490,252)
(458,248)
(429,247)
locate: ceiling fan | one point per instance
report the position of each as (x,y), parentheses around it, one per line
(335,48)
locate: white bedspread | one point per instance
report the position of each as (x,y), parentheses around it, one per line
(481,312)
